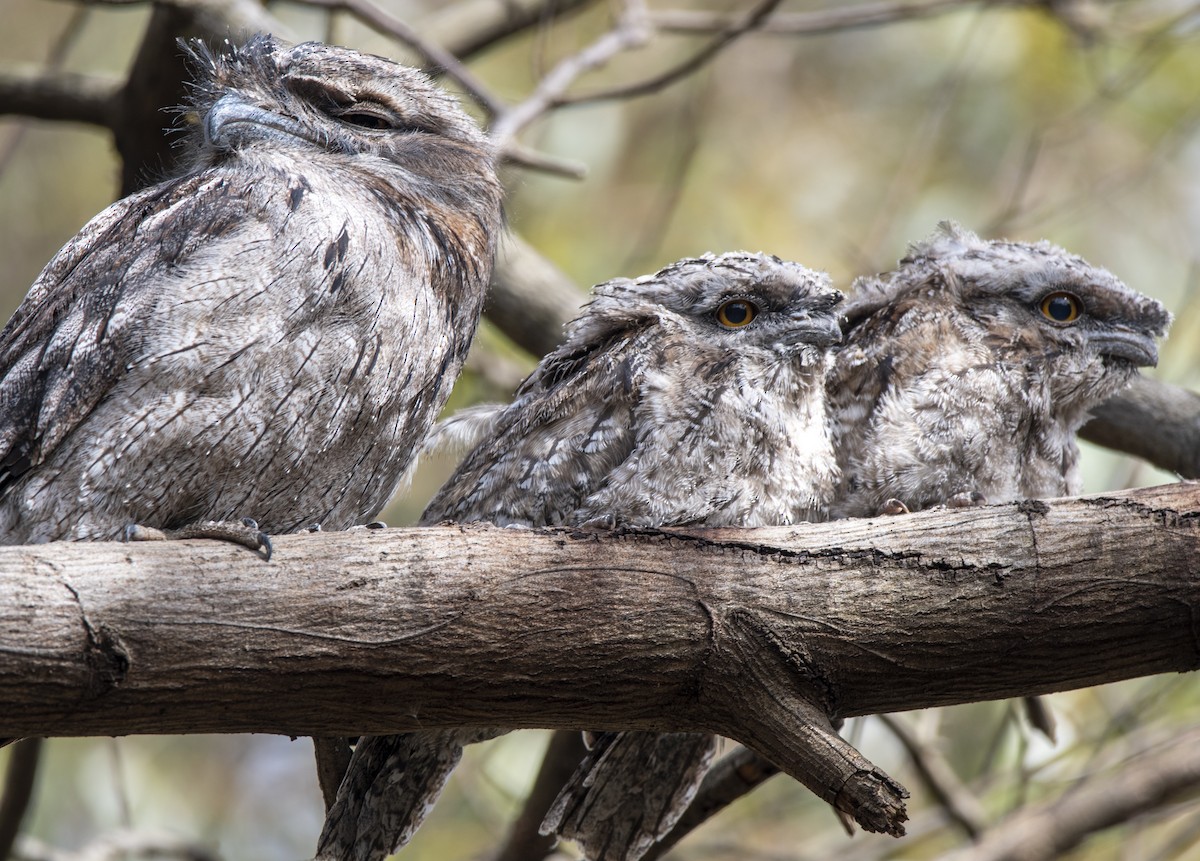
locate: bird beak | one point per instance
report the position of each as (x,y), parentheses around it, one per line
(232,120)
(820,330)
(1135,347)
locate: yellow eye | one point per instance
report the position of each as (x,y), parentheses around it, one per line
(736,313)
(1061,307)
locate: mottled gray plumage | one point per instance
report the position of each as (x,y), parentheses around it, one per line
(653,412)
(969,368)
(270,334)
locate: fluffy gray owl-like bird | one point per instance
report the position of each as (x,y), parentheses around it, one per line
(692,396)
(969,368)
(270,334)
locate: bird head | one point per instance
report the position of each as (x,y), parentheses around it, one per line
(1042,307)
(317,97)
(738,301)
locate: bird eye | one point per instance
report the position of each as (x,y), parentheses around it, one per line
(1061,307)
(736,313)
(365,119)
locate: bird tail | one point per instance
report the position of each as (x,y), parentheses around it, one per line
(629,792)
(390,786)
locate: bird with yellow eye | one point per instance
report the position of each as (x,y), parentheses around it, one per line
(737,313)
(967,370)
(693,396)
(1061,307)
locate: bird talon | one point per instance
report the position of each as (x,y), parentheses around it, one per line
(967,499)
(244,532)
(893,507)
(264,544)
(138,532)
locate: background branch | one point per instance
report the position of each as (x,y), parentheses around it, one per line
(1144,783)
(63,96)
(1153,420)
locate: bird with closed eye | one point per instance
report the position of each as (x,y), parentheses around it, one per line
(694,396)
(268,335)
(967,370)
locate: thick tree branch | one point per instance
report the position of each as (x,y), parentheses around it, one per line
(531,300)
(58,96)
(1153,420)
(760,635)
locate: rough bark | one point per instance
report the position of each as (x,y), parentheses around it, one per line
(760,635)
(1153,420)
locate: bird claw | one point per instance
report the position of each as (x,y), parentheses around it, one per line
(967,499)
(138,532)
(244,532)
(893,507)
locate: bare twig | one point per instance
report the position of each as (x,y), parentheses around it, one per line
(465,28)
(438,58)
(1141,785)
(55,58)
(732,776)
(822,21)
(221,17)
(516,153)
(921,147)
(630,32)
(939,778)
(745,24)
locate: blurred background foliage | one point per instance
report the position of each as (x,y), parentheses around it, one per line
(1078,122)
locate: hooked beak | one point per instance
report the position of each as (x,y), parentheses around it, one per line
(1135,347)
(822,329)
(232,120)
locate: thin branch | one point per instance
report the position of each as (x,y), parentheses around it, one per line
(1155,421)
(731,777)
(628,34)
(516,153)
(562,757)
(701,58)
(55,58)
(466,28)
(823,21)
(438,58)
(961,806)
(222,18)
(1049,830)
